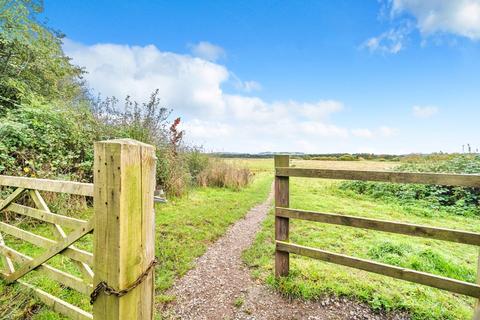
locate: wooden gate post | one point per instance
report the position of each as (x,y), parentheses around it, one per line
(124,234)
(282,259)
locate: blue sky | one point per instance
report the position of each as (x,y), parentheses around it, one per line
(386,76)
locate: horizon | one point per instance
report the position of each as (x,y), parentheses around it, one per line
(384,77)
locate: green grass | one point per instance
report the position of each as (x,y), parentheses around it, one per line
(311,279)
(185,227)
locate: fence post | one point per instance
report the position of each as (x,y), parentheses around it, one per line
(124,234)
(282,259)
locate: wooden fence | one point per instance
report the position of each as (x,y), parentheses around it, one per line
(283,213)
(123,234)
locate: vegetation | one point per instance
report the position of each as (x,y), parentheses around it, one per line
(33,65)
(312,279)
(186,226)
(48,125)
(219,173)
(49,121)
(455,200)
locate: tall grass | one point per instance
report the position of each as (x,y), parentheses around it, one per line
(219,173)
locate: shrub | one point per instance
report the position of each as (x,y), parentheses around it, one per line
(456,200)
(219,173)
(347,157)
(46,141)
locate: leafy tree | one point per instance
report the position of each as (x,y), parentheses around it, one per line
(32,62)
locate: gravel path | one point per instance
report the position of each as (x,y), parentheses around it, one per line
(220,286)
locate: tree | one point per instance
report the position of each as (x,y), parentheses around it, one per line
(32,62)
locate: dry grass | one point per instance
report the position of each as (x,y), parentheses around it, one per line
(219,173)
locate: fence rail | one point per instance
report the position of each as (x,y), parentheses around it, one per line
(464,237)
(79,188)
(460,180)
(283,214)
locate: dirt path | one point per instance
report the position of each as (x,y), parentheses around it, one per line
(220,286)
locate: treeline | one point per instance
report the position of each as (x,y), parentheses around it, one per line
(49,120)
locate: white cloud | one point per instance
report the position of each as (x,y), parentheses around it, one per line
(207,51)
(190,85)
(319,110)
(392,41)
(386,131)
(362,133)
(247,86)
(193,88)
(431,17)
(424,112)
(459,17)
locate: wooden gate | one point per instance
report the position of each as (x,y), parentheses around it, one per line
(283,213)
(123,234)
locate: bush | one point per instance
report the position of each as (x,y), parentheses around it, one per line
(456,200)
(347,157)
(46,141)
(219,173)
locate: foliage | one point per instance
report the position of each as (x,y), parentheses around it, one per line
(42,140)
(32,61)
(149,122)
(219,173)
(457,200)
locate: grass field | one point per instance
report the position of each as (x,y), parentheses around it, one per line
(311,279)
(185,227)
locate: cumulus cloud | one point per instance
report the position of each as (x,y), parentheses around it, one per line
(207,51)
(424,112)
(221,121)
(430,17)
(459,17)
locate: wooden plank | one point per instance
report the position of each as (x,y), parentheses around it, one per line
(57,304)
(452,285)
(282,194)
(75,254)
(383,225)
(148,167)
(8,266)
(123,242)
(79,188)
(476,310)
(462,180)
(49,271)
(12,197)
(52,251)
(57,229)
(46,216)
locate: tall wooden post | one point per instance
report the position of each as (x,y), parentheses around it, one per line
(476,308)
(282,259)
(124,182)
